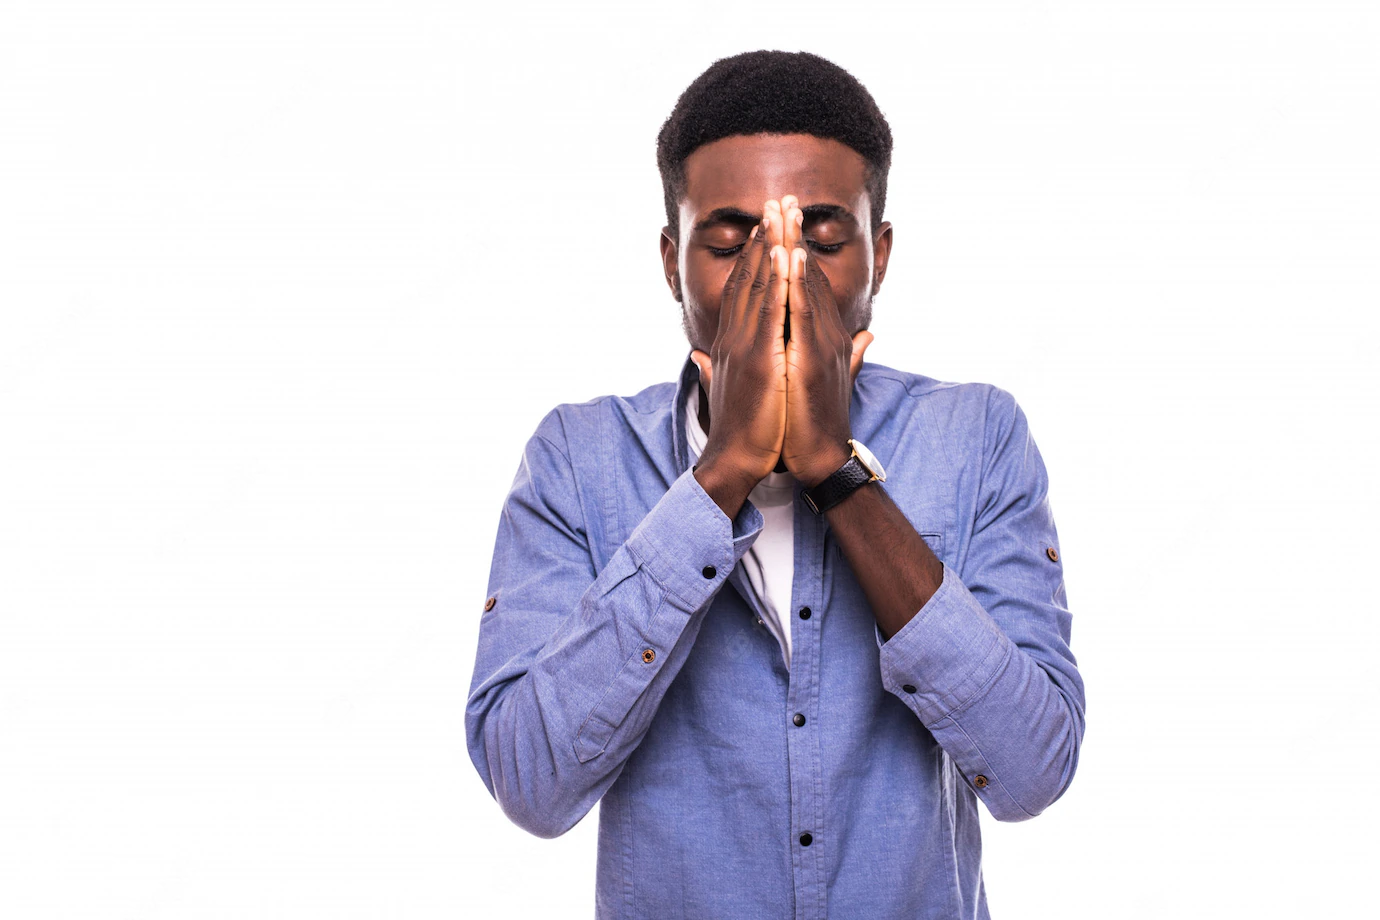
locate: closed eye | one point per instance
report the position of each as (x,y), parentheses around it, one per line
(821,248)
(724,253)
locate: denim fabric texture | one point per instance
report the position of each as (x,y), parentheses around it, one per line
(620,661)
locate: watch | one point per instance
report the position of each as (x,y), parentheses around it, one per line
(860,469)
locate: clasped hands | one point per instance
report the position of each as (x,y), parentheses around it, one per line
(780,373)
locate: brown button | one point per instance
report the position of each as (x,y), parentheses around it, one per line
(979,781)
(1052,553)
(648,655)
(489,604)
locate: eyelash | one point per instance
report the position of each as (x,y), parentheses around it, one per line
(820,248)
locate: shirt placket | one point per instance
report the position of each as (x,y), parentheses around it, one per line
(809,838)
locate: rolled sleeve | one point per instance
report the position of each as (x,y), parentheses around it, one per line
(571,663)
(985,664)
(687,535)
(948,652)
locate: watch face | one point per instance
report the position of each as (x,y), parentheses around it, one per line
(873,465)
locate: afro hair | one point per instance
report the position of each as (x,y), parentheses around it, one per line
(773,92)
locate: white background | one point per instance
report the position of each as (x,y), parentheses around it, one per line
(286,286)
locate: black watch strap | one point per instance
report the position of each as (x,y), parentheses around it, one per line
(840,484)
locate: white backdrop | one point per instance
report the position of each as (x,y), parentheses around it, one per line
(286,286)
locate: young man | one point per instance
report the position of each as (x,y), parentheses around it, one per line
(792,616)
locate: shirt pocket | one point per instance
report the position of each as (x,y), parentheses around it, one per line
(932,534)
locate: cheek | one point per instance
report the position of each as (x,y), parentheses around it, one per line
(851,282)
(849,279)
(704,282)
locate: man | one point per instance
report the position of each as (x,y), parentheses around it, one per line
(792,617)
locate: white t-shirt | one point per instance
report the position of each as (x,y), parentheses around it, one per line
(770,562)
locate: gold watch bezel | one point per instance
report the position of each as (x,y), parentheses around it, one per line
(875,468)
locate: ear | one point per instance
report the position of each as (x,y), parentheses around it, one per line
(670,262)
(881,254)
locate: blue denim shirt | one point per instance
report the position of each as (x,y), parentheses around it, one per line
(620,661)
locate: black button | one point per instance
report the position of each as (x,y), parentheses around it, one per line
(798,719)
(709,571)
(804,613)
(806,839)
(908,688)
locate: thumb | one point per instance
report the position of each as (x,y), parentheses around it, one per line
(855,362)
(706,367)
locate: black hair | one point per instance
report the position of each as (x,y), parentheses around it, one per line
(774,92)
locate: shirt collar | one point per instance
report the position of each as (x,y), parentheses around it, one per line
(688,382)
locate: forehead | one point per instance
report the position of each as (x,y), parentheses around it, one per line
(745,171)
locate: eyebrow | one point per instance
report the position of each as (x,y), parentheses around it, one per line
(813,213)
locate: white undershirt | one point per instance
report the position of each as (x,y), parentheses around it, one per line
(770,562)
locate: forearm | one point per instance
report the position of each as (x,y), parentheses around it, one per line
(999,714)
(895,567)
(569,674)
(552,732)
(1011,722)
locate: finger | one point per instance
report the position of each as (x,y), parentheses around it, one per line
(799,300)
(861,340)
(741,281)
(730,292)
(705,365)
(752,295)
(776,222)
(794,219)
(820,296)
(771,325)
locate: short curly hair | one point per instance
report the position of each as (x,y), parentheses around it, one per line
(773,92)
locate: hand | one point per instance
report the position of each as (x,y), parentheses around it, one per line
(822,363)
(745,374)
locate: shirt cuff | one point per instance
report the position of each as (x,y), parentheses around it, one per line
(689,545)
(945,655)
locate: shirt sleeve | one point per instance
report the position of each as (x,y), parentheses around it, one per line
(571,663)
(986,663)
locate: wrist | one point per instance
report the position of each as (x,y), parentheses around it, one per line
(823,465)
(727,483)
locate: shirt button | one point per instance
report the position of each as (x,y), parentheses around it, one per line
(799,719)
(804,613)
(806,839)
(979,781)
(759,621)
(649,655)
(1052,553)
(489,604)
(709,571)
(908,688)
